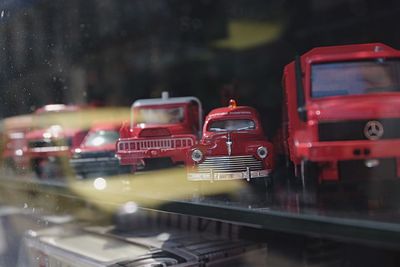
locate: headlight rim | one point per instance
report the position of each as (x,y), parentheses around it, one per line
(262,152)
(197,159)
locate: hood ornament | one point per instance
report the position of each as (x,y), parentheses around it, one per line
(229,144)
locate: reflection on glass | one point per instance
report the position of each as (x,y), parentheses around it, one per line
(100,183)
(355,78)
(231,125)
(159,115)
(101,138)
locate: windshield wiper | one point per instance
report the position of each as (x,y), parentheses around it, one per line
(218,130)
(243,128)
(383,89)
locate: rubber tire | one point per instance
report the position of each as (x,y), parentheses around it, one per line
(309,183)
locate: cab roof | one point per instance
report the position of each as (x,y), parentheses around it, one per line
(56,108)
(243,111)
(161,101)
(106,126)
(353,51)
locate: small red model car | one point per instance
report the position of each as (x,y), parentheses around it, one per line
(341,113)
(96,154)
(233,146)
(49,148)
(15,144)
(162,128)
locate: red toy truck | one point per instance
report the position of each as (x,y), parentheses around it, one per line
(160,129)
(49,147)
(341,113)
(233,147)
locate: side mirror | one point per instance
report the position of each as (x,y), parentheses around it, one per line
(302,111)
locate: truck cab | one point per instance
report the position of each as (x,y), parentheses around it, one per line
(233,146)
(50,144)
(341,113)
(160,129)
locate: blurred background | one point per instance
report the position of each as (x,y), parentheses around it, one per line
(107,52)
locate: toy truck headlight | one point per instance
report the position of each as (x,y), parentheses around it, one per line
(197,155)
(262,152)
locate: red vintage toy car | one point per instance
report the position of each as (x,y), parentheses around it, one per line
(160,129)
(49,147)
(233,146)
(96,154)
(15,144)
(341,113)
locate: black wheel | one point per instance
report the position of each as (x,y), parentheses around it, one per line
(282,187)
(269,189)
(308,173)
(35,164)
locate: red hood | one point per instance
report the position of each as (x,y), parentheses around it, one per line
(217,143)
(356,107)
(38,134)
(103,148)
(157,130)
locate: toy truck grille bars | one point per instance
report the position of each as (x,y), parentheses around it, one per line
(230,164)
(165,143)
(357,130)
(229,168)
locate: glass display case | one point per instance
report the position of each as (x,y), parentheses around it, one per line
(200,133)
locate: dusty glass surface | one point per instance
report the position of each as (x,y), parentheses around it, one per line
(101,138)
(66,66)
(231,125)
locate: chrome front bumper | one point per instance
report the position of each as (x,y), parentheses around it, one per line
(224,176)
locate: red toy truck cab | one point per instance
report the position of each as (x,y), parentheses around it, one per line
(341,113)
(233,146)
(49,147)
(160,129)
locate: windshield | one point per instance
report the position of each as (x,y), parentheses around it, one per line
(231,125)
(101,138)
(355,78)
(159,115)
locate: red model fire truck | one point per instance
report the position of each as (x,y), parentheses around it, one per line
(233,146)
(341,113)
(49,147)
(160,129)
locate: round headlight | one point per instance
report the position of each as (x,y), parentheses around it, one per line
(197,155)
(262,152)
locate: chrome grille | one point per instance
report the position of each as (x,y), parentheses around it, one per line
(50,143)
(165,143)
(230,164)
(354,130)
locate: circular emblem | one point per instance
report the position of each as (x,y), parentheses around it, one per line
(373,130)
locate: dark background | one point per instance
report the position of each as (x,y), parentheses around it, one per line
(112,52)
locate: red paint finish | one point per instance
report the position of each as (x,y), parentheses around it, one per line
(54,141)
(345,88)
(231,138)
